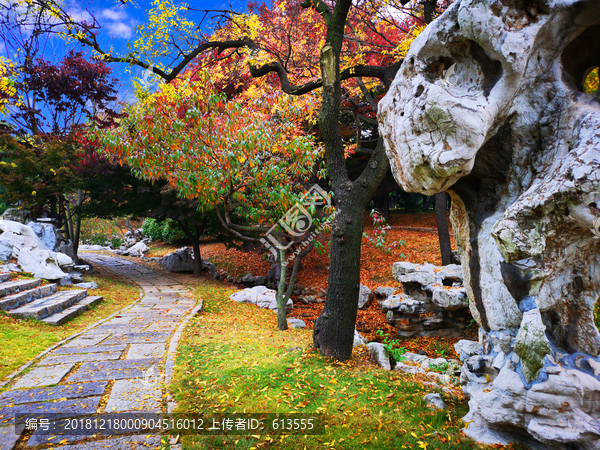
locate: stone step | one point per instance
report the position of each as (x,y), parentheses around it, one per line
(21,298)
(44,307)
(12,287)
(73,311)
(4,277)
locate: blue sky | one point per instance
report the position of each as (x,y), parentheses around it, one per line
(118,22)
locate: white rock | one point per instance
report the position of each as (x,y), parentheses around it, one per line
(450,298)
(87,285)
(296,323)
(43,263)
(358,339)
(414,357)
(137,250)
(408,369)
(6,249)
(46,232)
(466,348)
(434,401)
(380,353)
(260,296)
(92,248)
(364,297)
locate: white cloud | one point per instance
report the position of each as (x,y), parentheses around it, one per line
(117,22)
(120,30)
(113,14)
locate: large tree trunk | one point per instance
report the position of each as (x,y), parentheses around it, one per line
(442,226)
(333,333)
(334,329)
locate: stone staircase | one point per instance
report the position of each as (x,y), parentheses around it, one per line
(28,299)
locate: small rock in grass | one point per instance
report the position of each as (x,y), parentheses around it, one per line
(434,401)
(381,354)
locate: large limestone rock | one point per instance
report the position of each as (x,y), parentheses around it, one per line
(489,106)
(31,253)
(262,297)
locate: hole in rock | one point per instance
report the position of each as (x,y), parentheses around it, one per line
(581,59)
(420,90)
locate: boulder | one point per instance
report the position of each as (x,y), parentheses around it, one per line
(6,249)
(92,248)
(87,285)
(47,234)
(137,250)
(384,292)
(364,297)
(260,296)
(358,339)
(251,281)
(16,215)
(401,367)
(380,354)
(449,298)
(296,323)
(180,261)
(434,401)
(43,263)
(482,109)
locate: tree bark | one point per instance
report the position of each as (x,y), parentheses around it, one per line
(195,240)
(333,332)
(442,226)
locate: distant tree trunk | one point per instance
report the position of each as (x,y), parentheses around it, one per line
(442,226)
(77,227)
(195,240)
(429,7)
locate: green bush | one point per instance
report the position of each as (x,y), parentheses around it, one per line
(167,230)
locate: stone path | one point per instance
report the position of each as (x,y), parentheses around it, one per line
(113,367)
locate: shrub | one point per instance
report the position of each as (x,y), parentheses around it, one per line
(167,230)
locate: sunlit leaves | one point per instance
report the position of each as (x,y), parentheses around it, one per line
(247,150)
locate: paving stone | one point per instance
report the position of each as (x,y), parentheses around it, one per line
(139,338)
(119,320)
(90,339)
(64,408)
(137,442)
(113,370)
(135,395)
(163,326)
(77,358)
(140,351)
(43,376)
(120,329)
(53,393)
(98,349)
(8,437)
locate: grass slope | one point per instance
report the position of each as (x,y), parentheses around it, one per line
(233,360)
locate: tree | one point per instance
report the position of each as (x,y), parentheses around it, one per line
(355,41)
(239,155)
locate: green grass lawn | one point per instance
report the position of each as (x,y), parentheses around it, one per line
(233,360)
(24,339)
